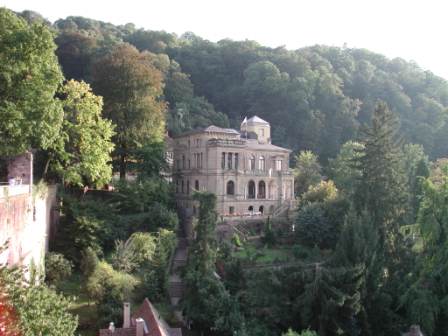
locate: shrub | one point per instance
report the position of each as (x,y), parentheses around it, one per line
(302,333)
(300,252)
(106,282)
(89,261)
(109,288)
(269,237)
(57,268)
(236,240)
(313,227)
(324,191)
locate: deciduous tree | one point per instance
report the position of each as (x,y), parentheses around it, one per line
(83,154)
(30,116)
(131,87)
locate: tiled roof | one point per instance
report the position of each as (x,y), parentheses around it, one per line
(257,120)
(154,324)
(216,129)
(254,144)
(209,129)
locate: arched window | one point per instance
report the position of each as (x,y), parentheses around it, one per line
(262,163)
(252,162)
(261,190)
(251,189)
(230,188)
(250,209)
(261,209)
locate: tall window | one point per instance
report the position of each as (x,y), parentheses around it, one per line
(189,164)
(196,185)
(278,165)
(201,160)
(251,189)
(262,163)
(252,162)
(261,190)
(182,186)
(223,160)
(230,188)
(183,161)
(188,187)
(177,186)
(236,161)
(229,160)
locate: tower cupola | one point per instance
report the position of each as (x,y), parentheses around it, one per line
(256,127)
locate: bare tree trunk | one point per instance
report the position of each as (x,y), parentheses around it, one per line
(122,167)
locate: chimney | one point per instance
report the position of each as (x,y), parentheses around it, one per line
(126,315)
(140,330)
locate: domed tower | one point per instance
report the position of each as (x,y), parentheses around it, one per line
(256,127)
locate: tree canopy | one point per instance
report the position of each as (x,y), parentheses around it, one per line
(30,116)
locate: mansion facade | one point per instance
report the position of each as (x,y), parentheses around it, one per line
(248,174)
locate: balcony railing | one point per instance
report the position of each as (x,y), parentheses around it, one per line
(268,172)
(226,142)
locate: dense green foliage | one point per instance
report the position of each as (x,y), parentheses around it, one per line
(131,86)
(343,169)
(315,97)
(57,268)
(207,302)
(29,78)
(425,300)
(369,255)
(30,309)
(307,171)
(83,155)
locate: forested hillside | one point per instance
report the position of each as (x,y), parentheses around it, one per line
(365,252)
(315,97)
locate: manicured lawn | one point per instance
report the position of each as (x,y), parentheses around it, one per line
(264,255)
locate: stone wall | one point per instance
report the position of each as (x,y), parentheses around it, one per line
(26,222)
(21,167)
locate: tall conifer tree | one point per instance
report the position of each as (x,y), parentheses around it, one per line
(382,191)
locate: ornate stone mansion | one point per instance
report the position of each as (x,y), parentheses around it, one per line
(249,175)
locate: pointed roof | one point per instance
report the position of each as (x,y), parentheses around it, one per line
(256,120)
(154,324)
(216,129)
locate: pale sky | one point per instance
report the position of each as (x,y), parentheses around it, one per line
(413,30)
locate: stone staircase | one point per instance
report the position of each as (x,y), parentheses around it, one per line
(175,284)
(283,208)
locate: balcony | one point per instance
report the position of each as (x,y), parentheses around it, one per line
(258,172)
(226,142)
(268,172)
